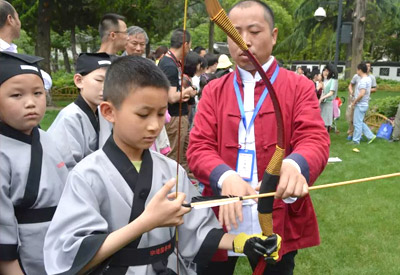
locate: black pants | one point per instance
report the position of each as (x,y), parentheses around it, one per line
(283,267)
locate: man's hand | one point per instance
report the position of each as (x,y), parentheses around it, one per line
(187,94)
(236,186)
(258,245)
(291,183)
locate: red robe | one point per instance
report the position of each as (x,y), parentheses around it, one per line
(213,145)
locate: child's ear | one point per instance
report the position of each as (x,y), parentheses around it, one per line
(78,80)
(107,110)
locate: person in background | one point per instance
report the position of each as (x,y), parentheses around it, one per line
(360,105)
(224,66)
(76,128)
(352,88)
(300,71)
(209,74)
(159,53)
(319,84)
(113,34)
(328,95)
(137,41)
(371,75)
(10,29)
(170,64)
(396,128)
(200,50)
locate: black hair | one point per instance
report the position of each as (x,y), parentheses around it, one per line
(191,61)
(109,22)
(268,13)
(363,67)
(160,51)
(177,38)
(198,49)
(128,73)
(211,59)
(6,9)
(332,71)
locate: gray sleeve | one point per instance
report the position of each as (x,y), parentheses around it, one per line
(201,233)
(373,81)
(8,222)
(66,132)
(354,79)
(77,230)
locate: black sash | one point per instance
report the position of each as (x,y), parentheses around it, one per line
(93,117)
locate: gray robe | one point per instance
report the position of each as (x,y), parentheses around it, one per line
(32,177)
(104,193)
(75,132)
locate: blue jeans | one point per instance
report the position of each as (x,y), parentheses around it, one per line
(359,126)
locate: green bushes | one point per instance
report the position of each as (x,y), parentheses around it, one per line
(62,79)
(386,106)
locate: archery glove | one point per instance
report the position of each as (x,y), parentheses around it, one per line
(258,245)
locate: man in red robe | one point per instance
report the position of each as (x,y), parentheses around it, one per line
(229,125)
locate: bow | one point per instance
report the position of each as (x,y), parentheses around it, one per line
(271,174)
(179,128)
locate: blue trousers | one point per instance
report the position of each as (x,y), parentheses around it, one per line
(359,126)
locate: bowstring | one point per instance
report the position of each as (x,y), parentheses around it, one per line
(179,125)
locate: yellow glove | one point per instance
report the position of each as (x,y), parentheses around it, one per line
(258,245)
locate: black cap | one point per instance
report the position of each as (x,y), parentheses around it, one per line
(12,64)
(88,62)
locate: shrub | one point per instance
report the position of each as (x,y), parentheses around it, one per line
(386,106)
(62,79)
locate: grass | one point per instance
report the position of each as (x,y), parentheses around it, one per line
(359,224)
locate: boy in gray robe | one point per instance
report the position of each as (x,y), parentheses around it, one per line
(115,216)
(76,128)
(32,172)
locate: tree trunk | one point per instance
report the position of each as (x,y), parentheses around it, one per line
(211,37)
(43,34)
(358,34)
(348,18)
(73,45)
(67,65)
(55,65)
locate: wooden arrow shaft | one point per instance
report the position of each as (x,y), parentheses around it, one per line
(217,202)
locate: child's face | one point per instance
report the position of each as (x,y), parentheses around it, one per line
(91,86)
(139,120)
(22,102)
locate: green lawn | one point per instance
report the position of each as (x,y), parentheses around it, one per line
(359,224)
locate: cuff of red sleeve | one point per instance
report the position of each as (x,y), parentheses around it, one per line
(216,175)
(302,163)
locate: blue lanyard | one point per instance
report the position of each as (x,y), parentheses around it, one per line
(260,101)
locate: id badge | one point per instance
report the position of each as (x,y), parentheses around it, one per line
(245,164)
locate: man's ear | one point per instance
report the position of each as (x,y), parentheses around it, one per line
(107,110)
(78,79)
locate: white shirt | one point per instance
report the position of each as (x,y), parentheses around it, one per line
(4,46)
(250,224)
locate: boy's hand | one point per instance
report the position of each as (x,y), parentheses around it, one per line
(165,209)
(258,245)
